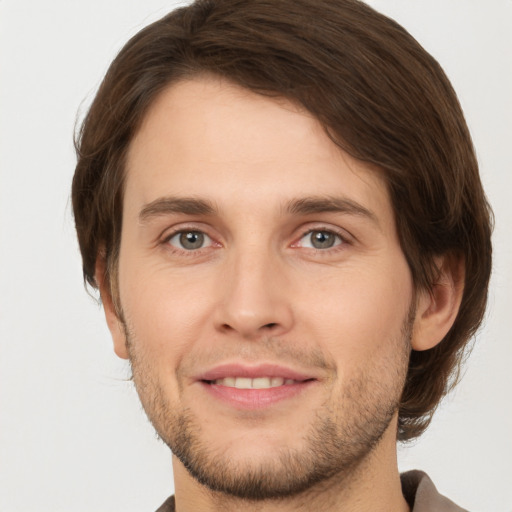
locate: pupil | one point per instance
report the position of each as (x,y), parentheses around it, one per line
(322,240)
(192,240)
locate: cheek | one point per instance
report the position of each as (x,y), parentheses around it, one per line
(167,313)
(359,313)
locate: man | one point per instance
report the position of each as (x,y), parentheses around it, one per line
(280,205)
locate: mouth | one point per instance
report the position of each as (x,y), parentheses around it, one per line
(256,383)
(245,387)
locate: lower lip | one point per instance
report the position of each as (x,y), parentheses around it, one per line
(256,398)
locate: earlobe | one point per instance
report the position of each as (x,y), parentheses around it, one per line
(436,310)
(113,321)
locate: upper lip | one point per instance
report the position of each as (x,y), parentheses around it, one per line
(253,371)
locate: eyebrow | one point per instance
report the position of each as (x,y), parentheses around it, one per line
(329,204)
(303,206)
(184,205)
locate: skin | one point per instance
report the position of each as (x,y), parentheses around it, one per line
(257,291)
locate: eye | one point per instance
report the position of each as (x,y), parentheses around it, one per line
(189,240)
(320,239)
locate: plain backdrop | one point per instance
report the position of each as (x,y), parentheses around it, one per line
(73,436)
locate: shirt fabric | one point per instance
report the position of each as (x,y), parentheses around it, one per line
(419,491)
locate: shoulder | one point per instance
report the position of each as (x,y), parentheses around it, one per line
(168,505)
(422,495)
(419,491)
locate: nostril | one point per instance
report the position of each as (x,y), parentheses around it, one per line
(270,326)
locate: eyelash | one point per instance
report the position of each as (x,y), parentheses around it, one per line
(189,252)
(341,245)
(343,240)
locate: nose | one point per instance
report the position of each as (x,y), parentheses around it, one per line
(255,298)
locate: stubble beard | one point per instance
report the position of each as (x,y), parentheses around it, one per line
(342,436)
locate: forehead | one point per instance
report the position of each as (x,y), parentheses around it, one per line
(208,137)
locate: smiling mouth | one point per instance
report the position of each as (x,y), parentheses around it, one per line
(255,383)
(254,392)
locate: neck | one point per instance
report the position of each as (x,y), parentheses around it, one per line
(373,486)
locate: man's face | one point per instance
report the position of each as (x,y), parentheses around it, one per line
(265,297)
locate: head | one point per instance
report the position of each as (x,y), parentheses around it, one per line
(372,91)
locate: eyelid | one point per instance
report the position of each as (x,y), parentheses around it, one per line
(344,235)
(208,240)
(181,227)
(171,232)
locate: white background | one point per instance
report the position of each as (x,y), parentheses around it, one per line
(72,434)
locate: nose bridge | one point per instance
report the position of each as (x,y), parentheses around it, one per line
(256,297)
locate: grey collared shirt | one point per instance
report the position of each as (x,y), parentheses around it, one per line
(418,490)
(422,495)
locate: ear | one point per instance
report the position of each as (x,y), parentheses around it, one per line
(113,321)
(437,309)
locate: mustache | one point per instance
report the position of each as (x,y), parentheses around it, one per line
(267,349)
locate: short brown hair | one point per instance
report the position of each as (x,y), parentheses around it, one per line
(380,96)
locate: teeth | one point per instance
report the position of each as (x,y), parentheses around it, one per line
(243,383)
(257,383)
